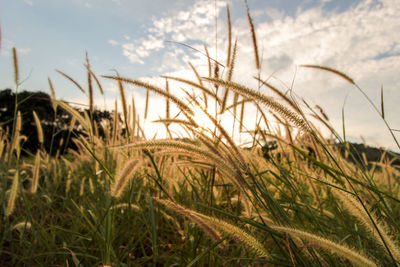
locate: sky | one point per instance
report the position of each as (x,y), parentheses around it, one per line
(146,39)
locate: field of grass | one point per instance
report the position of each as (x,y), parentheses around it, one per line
(202,200)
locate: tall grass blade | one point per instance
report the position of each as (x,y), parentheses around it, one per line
(153,230)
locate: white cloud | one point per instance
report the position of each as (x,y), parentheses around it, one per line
(111,87)
(351,41)
(29,2)
(170,60)
(152,43)
(118,2)
(113,42)
(194,24)
(7,45)
(24,50)
(130,52)
(129,47)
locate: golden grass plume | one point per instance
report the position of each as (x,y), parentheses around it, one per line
(35,172)
(266,100)
(13,195)
(123,177)
(38,127)
(208,224)
(377,230)
(193,216)
(16,69)
(357,258)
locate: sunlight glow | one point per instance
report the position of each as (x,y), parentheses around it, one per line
(202,119)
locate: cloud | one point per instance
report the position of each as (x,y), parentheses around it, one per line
(118,2)
(111,87)
(7,45)
(350,40)
(24,50)
(131,54)
(29,2)
(113,42)
(194,24)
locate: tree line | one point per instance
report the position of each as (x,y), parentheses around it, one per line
(56,123)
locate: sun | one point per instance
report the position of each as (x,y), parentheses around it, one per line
(201,118)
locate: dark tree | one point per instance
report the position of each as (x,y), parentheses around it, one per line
(55,125)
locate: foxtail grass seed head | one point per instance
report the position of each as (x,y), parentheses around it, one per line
(238,234)
(13,195)
(123,177)
(53,95)
(19,123)
(253,38)
(38,128)
(93,75)
(193,216)
(232,62)
(264,99)
(123,101)
(35,171)
(228,15)
(16,70)
(357,210)
(356,257)
(90,84)
(72,80)
(21,226)
(115,122)
(334,71)
(16,136)
(68,183)
(209,224)
(156,90)
(85,123)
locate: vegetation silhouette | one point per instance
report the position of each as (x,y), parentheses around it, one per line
(56,124)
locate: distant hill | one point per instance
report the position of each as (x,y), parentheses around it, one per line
(372,154)
(354,153)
